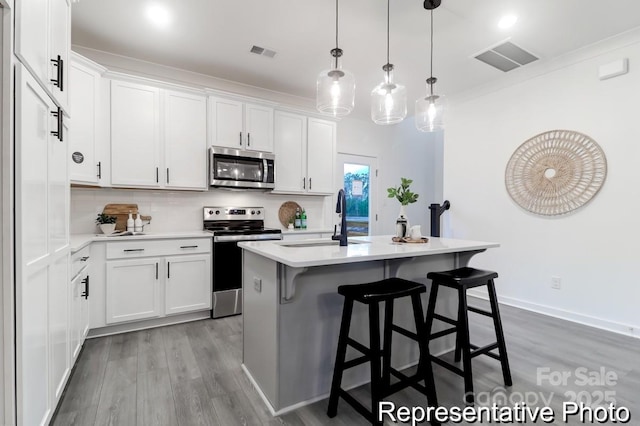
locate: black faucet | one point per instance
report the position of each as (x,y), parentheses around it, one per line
(341,207)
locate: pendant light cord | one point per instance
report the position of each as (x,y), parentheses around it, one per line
(388,26)
(337,48)
(431,59)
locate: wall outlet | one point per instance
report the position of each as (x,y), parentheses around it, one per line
(556,283)
(257,284)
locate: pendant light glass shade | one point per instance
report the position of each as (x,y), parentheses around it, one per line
(388,100)
(430,112)
(336,88)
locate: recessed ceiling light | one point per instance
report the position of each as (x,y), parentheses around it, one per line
(158,14)
(507,21)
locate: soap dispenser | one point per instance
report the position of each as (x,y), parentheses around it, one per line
(130,223)
(138,223)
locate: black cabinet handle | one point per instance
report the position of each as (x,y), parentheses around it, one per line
(59,80)
(157,175)
(129,250)
(168,269)
(167,175)
(99,169)
(156,270)
(59,115)
(304,183)
(309,184)
(85,294)
(186,247)
(248,139)
(240,138)
(84,258)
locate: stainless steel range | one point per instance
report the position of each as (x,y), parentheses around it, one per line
(230,225)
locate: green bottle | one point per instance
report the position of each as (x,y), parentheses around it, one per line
(303,219)
(297,221)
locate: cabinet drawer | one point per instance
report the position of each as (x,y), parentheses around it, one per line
(79,260)
(134,249)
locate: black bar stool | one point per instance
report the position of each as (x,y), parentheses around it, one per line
(461,280)
(371,294)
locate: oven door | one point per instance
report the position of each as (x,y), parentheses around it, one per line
(227,279)
(241,169)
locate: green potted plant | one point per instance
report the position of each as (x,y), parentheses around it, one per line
(403,194)
(107,223)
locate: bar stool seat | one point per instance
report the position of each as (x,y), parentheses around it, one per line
(461,280)
(371,294)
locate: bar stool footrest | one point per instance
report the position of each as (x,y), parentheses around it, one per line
(480,311)
(443,333)
(359,346)
(355,362)
(447,365)
(406,381)
(404,332)
(445,319)
(357,405)
(485,351)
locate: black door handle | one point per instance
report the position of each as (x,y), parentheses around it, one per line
(167,175)
(99,169)
(156,270)
(59,80)
(240,138)
(86,288)
(59,115)
(248,139)
(157,175)
(168,269)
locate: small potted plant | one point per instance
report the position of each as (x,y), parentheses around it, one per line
(406,197)
(107,223)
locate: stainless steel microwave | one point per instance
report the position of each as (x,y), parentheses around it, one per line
(233,168)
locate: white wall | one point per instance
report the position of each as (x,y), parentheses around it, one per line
(593,250)
(401,151)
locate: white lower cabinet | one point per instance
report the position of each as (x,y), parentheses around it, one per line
(188,284)
(155,278)
(133,289)
(59,325)
(79,310)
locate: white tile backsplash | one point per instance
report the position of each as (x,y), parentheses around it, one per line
(176,211)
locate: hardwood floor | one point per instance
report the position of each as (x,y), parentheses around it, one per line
(189,374)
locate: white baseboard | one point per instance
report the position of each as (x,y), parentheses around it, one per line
(145,324)
(300,404)
(590,321)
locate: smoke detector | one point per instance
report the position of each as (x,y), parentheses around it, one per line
(506,56)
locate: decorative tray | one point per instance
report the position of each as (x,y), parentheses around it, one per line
(407,240)
(287,212)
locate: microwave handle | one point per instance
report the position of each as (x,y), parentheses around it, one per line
(265,170)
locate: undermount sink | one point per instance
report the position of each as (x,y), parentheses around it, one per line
(319,243)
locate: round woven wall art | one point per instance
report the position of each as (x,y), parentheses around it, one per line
(556,172)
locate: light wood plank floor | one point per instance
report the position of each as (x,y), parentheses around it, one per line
(189,374)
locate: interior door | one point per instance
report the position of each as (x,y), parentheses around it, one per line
(358,175)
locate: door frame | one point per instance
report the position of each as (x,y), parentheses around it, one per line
(7,276)
(372,162)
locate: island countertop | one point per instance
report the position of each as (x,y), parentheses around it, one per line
(306,253)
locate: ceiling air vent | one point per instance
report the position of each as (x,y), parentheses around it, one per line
(506,56)
(262,51)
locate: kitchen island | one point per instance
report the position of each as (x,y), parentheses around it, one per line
(292,310)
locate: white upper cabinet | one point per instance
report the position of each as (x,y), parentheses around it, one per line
(237,125)
(305,154)
(185,140)
(43,41)
(158,138)
(135,135)
(86,161)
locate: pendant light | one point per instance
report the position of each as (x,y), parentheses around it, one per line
(430,109)
(336,88)
(388,99)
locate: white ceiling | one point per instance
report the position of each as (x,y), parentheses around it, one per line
(213,37)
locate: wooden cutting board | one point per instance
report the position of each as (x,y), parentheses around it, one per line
(121,211)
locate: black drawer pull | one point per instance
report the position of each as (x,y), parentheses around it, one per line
(59,80)
(168,269)
(84,258)
(129,250)
(184,247)
(85,294)
(99,169)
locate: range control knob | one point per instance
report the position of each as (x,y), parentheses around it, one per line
(217,211)
(210,211)
(258,212)
(253,212)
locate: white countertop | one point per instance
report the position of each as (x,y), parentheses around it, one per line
(79,241)
(373,248)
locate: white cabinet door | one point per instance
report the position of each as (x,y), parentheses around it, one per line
(59,197)
(185,141)
(83,101)
(60,42)
(321,139)
(290,149)
(259,127)
(133,290)
(59,325)
(75,342)
(225,120)
(32,24)
(135,147)
(83,303)
(188,284)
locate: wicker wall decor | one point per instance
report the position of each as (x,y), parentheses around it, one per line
(555,172)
